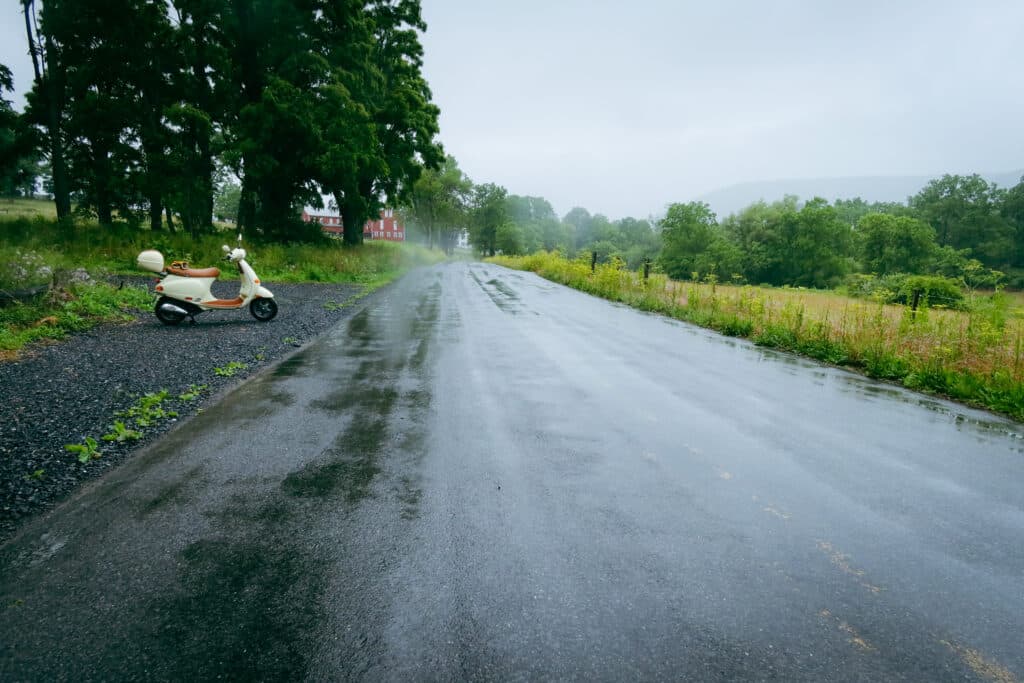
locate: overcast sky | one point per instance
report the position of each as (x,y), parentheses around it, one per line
(625,106)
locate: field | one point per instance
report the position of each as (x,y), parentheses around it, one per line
(974,356)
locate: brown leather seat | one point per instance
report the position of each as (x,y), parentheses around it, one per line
(193,272)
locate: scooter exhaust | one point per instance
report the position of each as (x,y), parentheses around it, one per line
(171,308)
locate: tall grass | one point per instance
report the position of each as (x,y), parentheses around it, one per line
(114,249)
(974,356)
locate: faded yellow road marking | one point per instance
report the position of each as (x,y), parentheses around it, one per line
(854,638)
(842,561)
(981,665)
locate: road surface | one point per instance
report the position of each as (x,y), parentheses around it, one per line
(486,476)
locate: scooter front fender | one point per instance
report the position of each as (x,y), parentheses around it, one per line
(263,293)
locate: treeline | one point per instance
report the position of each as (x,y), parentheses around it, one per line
(140,110)
(445,204)
(957,227)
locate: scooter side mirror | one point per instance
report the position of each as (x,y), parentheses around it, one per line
(226,248)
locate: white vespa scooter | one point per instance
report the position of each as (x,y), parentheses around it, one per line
(185,292)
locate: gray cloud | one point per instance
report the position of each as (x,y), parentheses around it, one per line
(624,107)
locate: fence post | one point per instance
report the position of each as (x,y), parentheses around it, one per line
(593,261)
(913,304)
(647,268)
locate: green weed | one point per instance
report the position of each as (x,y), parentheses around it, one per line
(230,369)
(87,451)
(193,392)
(148,410)
(120,433)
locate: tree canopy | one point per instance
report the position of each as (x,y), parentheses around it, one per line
(296,97)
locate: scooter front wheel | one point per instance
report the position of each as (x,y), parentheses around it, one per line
(263,309)
(165,315)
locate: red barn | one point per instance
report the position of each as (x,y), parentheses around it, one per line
(388,228)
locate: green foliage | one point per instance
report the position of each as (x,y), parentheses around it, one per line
(898,288)
(193,392)
(148,409)
(226,201)
(73,309)
(87,451)
(687,232)
(509,239)
(120,433)
(964,211)
(290,95)
(895,244)
(230,369)
(489,212)
(439,203)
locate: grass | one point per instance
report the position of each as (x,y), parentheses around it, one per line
(71,309)
(35,250)
(974,356)
(26,208)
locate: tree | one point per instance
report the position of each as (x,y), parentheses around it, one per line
(438,203)
(964,211)
(46,105)
(397,98)
(638,241)
(18,163)
(489,212)
(1012,210)
(509,239)
(817,245)
(225,202)
(755,231)
(687,231)
(580,220)
(205,96)
(895,244)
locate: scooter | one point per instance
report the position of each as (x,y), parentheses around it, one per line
(185,292)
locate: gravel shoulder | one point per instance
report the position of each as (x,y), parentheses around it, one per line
(62,393)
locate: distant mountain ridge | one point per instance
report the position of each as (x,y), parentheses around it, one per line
(869,188)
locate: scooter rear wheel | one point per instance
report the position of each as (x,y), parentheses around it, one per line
(263,309)
(167,317)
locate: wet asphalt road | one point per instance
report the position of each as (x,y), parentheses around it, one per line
(485,476)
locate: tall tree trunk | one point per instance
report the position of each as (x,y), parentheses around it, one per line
(351,223)
(46,72)
(170,221)
(155,212)
(246,206)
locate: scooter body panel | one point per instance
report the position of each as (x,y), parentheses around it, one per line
(192,289)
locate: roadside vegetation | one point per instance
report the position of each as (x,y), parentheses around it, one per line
(59,278)
(973,352)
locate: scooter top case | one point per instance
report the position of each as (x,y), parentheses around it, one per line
(151,260)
